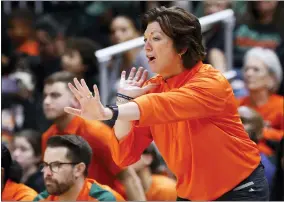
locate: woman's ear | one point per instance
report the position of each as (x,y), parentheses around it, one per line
(183,51)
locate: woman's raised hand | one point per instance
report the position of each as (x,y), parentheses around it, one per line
(133,85)
(91,106)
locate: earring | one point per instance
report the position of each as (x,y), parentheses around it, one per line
(180,55)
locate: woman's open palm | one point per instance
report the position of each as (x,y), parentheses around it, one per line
(91,106)
(133,85)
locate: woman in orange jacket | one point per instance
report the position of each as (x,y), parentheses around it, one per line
(11,188)
(188,109)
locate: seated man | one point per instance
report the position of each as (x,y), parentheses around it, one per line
(65,167)
(11,189)
(102,167)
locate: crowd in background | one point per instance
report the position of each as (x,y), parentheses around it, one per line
(40,50)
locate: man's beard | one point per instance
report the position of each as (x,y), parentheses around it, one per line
(57,189)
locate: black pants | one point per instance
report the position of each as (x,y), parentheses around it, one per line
(253,188)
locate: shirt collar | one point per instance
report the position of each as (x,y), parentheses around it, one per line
(72,126)
(180,79)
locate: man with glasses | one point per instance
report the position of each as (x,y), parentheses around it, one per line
(102,168)
(65,167)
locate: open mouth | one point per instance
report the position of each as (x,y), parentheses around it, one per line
(151,59)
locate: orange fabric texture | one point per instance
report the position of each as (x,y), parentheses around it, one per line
(271,112)
(273,134)
(97,134)
(91,191)
(193,119)
(162,189)
(30,47)
(269,134)
(17,192)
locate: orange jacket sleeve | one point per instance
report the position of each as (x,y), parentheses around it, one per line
(198,99)
(128,150)
(26,195)
(18,192)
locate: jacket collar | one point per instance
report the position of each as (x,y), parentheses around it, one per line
(180,79)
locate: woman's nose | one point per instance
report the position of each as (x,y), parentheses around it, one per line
(148,46)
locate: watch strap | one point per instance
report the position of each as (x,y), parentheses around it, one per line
(114,109)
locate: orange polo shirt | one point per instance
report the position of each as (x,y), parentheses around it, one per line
(97,134)
(271,112)
(17,192)
(162,189)
(91,191)
(193,119)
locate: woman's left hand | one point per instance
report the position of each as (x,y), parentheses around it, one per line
(91,106)
(133,85)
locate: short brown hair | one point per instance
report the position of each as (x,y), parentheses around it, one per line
(34,138)
(62,76)
(183,28)
(79,149)
(86,48)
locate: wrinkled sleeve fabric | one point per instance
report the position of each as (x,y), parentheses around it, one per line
(201,98)
(129,150)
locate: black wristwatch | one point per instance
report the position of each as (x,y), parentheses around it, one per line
(114,109)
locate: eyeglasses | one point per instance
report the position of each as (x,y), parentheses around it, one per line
(54,166)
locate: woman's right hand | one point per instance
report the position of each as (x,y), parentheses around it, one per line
(133,85)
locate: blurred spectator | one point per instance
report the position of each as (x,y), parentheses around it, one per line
(57,96)
(157,187)
(6,46)
(277,193)
(211,7)
(262,75)
(10,179)
(214,35)
(260,26)
(65,170)
(18,104)
(239,7)
(94,20)
(124,29)
(51,47)
(15,62)
(22,33)
(254,125)
(27,152)
(79,59)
